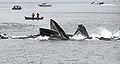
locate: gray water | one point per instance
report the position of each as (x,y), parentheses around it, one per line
(68,16)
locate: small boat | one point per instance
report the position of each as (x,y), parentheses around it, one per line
(45,5)
(97,3)
(16,7)
(31,18)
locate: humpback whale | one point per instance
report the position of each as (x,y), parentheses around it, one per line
(55,27)
(81,30)
(81,33)
(55,33)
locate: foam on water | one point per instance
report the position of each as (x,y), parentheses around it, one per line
(42,38)
(105,33)
(108,5)
(18,36)
(117,34)
(78,37)
(101,32)
(94,36)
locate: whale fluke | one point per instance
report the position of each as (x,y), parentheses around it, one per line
(55,27)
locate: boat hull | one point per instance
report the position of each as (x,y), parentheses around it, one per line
(16,8)
(45,5)
(31,18)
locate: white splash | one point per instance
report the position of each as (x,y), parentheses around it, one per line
(101,32)
(78,37)
(105,33)
(18,36)
(117,34)
(95,36)
(42,38)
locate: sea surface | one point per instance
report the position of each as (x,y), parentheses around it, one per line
(98,19)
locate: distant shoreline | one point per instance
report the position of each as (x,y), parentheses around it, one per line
(61,2)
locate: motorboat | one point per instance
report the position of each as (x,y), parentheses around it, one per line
(16,7)
(45,5)
(97,3)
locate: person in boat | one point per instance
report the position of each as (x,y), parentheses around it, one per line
(33,15)
(38,15)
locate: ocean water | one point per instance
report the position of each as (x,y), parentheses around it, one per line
(103,19)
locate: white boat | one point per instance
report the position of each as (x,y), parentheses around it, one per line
(45,5)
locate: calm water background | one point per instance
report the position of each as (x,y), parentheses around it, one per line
(68,16)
